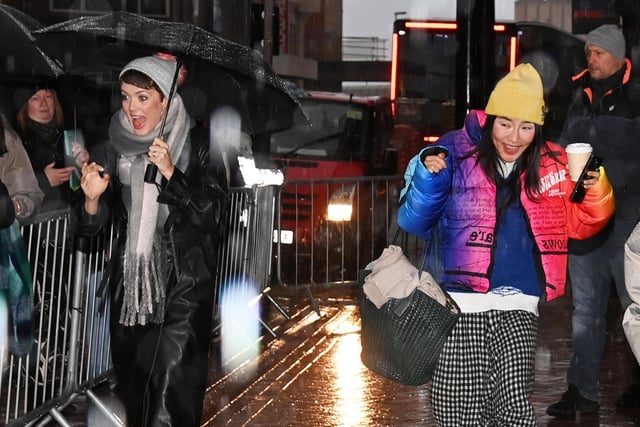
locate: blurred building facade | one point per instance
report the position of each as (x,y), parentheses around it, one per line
(307,44)
(555,12)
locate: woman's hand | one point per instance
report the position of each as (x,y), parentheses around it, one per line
(435,164)
(592,179)
(93,185)
(80,153)
(159,156)
(57,176)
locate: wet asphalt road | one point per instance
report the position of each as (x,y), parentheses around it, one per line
(311,373)
(312,376)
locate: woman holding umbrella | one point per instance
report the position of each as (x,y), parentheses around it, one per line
(162,268)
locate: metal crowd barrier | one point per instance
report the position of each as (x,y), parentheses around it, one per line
(321,253)
(244,262)
(71,354)
(71,323)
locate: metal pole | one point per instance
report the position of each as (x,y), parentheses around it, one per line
(76,313)
(105,409)
(475,58)
(235,20)
(268,31)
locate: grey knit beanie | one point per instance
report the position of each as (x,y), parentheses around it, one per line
(610,38)
(159,70)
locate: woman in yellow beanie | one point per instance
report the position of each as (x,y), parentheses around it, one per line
(498,195)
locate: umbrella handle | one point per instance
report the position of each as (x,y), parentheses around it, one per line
(151,171)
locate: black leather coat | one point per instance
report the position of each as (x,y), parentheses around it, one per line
(162,368)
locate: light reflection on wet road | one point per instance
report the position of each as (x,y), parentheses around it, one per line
(311,375)
(320,380)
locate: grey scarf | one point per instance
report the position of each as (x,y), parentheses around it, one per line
(144,287)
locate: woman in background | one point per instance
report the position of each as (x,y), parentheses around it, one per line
(40,121)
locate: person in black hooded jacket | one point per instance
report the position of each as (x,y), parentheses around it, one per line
(162,269)
(604,112)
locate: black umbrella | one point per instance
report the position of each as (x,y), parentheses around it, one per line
(20,56)
(220,72)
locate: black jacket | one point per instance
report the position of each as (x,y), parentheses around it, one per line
(43,144)
(612,126)
(162,368)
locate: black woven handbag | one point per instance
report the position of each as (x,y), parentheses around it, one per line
(402,340)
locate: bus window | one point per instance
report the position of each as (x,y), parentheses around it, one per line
(335,132)
(424,60)
(558,56)
(423,64)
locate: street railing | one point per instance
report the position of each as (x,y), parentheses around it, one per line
(244,261)
(311,250)
(365,49)
(71,354)
(71,348)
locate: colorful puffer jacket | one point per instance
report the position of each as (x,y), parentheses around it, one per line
(462,202)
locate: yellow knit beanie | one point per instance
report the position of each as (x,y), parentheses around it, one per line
(518,95)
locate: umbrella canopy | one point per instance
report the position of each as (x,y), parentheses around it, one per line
(20,56)
(219,72)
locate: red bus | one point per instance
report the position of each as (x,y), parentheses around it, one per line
(423,70)
(326,202)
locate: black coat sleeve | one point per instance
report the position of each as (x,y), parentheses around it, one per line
(7,211)
(198,193)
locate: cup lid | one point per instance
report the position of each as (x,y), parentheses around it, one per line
(579,147)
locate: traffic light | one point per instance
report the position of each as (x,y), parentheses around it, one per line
(257,28)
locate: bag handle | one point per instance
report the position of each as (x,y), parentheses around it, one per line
(403,303)
(432,240)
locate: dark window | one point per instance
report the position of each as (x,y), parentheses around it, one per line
(426,63)
(156,8)
(66,4)
(90,6)
(131,6)
(335,132)
(558,56)
(425,82)
(153,7)
(102,6)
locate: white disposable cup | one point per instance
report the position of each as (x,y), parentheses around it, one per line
(577,158)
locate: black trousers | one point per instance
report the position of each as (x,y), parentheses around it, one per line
(161,369)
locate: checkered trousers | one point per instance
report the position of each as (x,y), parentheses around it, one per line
(485,373)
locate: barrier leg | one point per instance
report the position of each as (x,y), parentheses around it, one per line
(104,409)
(76,318)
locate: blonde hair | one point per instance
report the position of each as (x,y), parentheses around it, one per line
(23,113)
